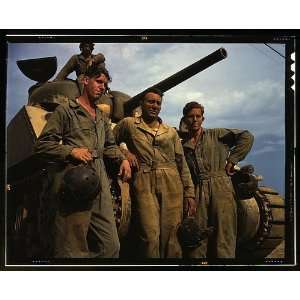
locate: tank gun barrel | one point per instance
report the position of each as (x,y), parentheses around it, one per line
(179,77)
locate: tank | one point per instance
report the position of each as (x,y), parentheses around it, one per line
(261,211)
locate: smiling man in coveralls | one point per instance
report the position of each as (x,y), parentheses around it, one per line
(162,184)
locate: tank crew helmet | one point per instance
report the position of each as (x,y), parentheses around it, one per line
(190,234)
(247,187)
(244,182)
(80,186)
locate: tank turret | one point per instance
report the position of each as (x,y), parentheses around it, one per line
(50,94)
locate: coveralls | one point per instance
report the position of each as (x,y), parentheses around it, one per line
(215,195)
(77,63)
(93,232)
(159,185)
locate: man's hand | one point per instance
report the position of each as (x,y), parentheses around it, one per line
(189,206)
(230,168)
(82,154)
(125,170)
(133,161)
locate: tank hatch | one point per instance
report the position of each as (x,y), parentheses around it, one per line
(38,69)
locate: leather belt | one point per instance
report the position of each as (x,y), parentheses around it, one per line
(96,154)
(147,167)
(209,175)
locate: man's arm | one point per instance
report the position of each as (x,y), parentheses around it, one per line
(68,68)
(48,145)
(112,151)
(240,142)
(186,179)
(120,132)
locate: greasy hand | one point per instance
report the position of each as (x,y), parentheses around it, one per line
(229,169)
(190,207)
(125,170)
(133,161)
(82,154)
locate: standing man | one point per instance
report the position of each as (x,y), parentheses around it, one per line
(211,155)
(161,182)
(79,133)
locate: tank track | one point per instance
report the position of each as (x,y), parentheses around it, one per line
(121,205)
(271,231)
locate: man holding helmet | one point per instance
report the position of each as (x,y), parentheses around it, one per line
(77,136)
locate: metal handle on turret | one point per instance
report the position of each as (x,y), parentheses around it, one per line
(179,77)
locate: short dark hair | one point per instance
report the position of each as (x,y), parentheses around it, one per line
(153,90)
(86,43)
(190,105)
(96,70)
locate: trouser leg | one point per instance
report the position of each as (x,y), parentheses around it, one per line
(225,214)
(103,237)
(170,195)
(202,218)
(70,228)
(90,233)
(70,235)
(148,214)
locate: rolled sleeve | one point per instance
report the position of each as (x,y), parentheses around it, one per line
(188,186)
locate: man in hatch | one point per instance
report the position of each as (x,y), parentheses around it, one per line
(80,62)
(161,184)
(78,133)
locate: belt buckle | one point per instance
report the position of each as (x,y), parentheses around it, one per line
(95,154)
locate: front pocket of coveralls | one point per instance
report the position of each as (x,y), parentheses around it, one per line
(139,137)
(173,180)
(86,135)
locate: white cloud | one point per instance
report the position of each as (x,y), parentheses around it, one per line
(264,149)
(129,53)
(194,95)
(259,107)
(277,142)
(246,90)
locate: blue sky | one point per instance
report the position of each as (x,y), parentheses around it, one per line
(246,90)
